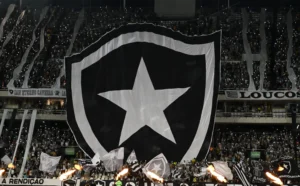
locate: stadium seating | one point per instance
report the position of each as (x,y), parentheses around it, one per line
(59,24)
(46,66)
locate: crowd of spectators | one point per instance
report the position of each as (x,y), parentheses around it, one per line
(52,138)
(59,26)
(230,143)
(224,109)
(296,45)
(281,47)
(12,53)
(48,137)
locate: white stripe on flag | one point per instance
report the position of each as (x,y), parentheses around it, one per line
(20,132)
(28,144)
(3,120)
(241,174)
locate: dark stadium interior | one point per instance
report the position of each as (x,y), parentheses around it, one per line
(247,129)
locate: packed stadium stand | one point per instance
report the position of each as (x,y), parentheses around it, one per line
(33,46)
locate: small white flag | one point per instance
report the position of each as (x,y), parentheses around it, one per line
(113,160)
(6,160)
(132,158)
(158,165)
(222,168)
(48,163)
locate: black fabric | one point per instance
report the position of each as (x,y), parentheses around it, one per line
(167,69)
(240,170)
(257,171)
(290,168)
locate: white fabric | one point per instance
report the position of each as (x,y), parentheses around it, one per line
(4,20)
(144,105)
(6,160)
(206,49)
(42,45)
(28,144)
(48,163)
(3,120)
(69,51)
(263,48)
(10,34)
(76,29)
(222,168)
(20,132)
(132,158)
(290,70)
(113,160)
(18,70)
(247,48)
(96,159)
(158,165)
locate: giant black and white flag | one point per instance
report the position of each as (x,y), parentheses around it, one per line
(147,89)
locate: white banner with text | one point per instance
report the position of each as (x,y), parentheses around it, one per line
(56,93)
(262,95)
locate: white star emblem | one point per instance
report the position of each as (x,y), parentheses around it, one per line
(144,105)
(156,168)
(285,166)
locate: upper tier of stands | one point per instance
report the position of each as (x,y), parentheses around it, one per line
(37,62)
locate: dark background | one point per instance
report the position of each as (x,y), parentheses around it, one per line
(150,3)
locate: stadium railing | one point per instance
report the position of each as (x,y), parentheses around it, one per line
(218,113)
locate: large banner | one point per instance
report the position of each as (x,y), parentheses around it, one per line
(40,92)
(262,95)
(147,89)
